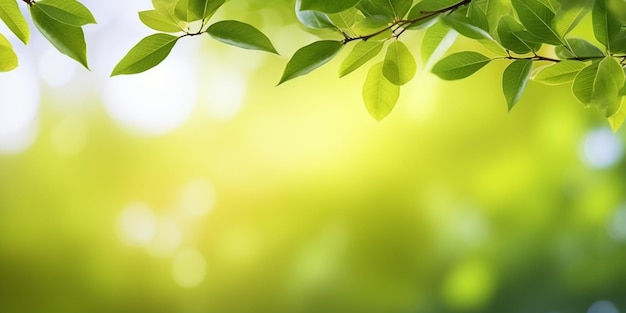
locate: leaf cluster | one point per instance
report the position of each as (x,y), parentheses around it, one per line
(531,37)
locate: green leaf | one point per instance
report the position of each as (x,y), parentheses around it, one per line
(580,48)
(204,9)
(8,58)
(399,66)
(537,18)
(379,94)
(388,8)
(460,65)
(157,21)
(362,52)
(598,85)
(344,19)
(434,5)
(313,19)
(570,14)
(69,12)
(559,73)
(437,40)
(511,35)
(477,15)
(241,35)
(328,6)
(463,26)
(69,40)
(12,16)
(146,54)
(496,9)
(310,57)
(616,120)
(515,79)
(605,26)
(372,24)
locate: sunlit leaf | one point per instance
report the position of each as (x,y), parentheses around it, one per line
(570,14)
(460,65)
(434,5)
(241,35)
(580,48)
(310,57)
(510,34)
(598,85)
(559,73)
(605,26)
(437,40)
(617,119)
(477,15)
(379,94)
(328,6)
(69,40)
(313,19)
(157,21)
(12,16)
(399,66)
(362,52)
(388,8)
(69,12)
(204,9)
(537,18)
(463,26)
(344,19)
(8,58)
(146,54)
(515,79)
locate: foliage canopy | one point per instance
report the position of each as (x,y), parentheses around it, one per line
(532,36)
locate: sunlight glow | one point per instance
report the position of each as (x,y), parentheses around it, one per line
(225,93)
(156,102)
(601,149)
(137,224)
(167,238)
(603,306)
(189,268)
(197,198)
(56,69)
(18,109)
(616,225)
(69,137)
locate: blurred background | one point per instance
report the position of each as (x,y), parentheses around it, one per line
(199,186)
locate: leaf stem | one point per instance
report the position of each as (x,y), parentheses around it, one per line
(403,24)
(29,2)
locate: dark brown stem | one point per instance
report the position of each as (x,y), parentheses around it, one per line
(29,2)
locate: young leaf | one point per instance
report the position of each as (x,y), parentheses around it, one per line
(388,8)
(69,40)
(241,35)
(362,52)
(510,34)
(8,58)
(538,20)
(570,14)
(437,40)
(559,73)
(310,57)
(616,120)
(313,19)
(328,6)
(515,79)
(464,27)
(460,65)
(598,85)
(204,9)
(580,48)
(12,16)
(69,12)
(605,26)
(379,94)
(344,19)
(159,22)
(146,54)
(399,66)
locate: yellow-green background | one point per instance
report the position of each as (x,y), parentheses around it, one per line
(451,204)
